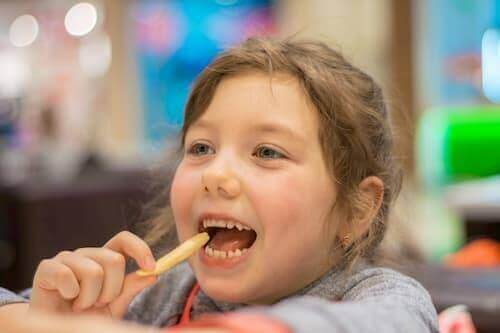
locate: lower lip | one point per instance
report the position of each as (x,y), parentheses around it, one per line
(223,263)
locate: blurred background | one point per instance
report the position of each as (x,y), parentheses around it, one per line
(91,93)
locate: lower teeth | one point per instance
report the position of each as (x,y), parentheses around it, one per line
(224,254)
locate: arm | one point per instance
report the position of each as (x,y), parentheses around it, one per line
(11,303)
(43,322)
(9,310)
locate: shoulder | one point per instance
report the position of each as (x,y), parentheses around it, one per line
(165,299)
(365,299)
(391,289)
(364,281)
(369,281)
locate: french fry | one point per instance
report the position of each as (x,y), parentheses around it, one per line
(177,255)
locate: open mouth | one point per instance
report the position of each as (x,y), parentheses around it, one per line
(228,239)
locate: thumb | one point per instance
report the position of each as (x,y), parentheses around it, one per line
(132,285)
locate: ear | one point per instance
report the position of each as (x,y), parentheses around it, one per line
(371,190)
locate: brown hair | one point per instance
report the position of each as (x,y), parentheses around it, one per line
(354,127)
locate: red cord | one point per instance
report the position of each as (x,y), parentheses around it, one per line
(186,312)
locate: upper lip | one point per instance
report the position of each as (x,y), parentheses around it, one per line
(218,216)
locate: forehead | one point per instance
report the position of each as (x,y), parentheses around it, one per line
(259,100)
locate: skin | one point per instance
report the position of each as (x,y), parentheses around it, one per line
(92,280)
(275,182)
(44,322)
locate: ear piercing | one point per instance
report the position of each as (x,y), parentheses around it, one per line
(346,240)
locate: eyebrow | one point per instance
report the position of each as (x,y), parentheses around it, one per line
(262,128)
(278,128)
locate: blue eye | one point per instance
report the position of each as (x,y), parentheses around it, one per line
(199,149)
(267,153)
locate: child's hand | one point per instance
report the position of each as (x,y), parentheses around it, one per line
(93,280)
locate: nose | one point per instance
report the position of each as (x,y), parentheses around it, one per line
(220,182)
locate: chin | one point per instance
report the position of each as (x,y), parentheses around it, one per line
(223,290)
(232,284)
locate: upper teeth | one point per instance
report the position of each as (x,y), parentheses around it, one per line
(224,224)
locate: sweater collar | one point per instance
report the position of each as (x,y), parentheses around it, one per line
(330,286)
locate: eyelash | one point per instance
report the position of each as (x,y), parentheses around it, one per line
(273,150)
(191,151)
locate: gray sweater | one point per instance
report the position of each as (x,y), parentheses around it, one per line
(366,299)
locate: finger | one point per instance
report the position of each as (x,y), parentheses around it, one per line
(129,244)
(132,286)
(114,271)
(90,275)
(53,275)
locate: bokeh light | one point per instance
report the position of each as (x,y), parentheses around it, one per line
(491,64)
(23,31)
(81,19)
(94,55)
(15,73)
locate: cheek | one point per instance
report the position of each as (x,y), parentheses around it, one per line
(276,196)
(181,198)
(295,192)
(281,201)
(294,206)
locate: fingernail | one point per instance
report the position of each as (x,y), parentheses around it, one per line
(149,263)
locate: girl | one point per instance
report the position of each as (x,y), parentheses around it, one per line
(287,163)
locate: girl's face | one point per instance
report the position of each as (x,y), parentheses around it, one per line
(254,158)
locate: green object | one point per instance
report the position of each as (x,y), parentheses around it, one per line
(440,230)
(458,143)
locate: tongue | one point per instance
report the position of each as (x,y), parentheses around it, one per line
(232,239)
